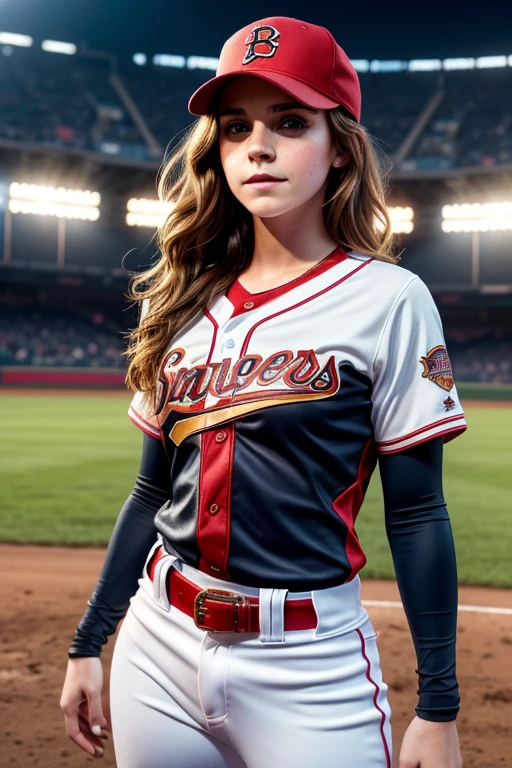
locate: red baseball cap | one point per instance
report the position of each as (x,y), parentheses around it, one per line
(302,59)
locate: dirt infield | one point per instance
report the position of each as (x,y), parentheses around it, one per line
(43,595)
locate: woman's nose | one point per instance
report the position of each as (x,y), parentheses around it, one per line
(260,144)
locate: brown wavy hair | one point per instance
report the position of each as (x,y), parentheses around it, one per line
(207,239)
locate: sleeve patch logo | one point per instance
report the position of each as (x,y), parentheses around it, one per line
(437,367)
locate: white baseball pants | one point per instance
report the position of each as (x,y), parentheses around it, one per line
(184,697)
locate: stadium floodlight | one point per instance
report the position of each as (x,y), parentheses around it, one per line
(424,65)
(54,201)
(202,62)
(487,62)
(140,59)
(510,61)
(169,60)
(55,46)
(54,194)
(11,38)
(51,209)
(144,220)
(460,63)
(360,65)
(477,217)
(387,66)
(401,219)
(145,212)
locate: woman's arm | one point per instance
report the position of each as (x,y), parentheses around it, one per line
(132,537)
(420,537)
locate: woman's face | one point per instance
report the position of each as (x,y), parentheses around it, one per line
(258,135)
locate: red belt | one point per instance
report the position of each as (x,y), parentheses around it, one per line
(221,611)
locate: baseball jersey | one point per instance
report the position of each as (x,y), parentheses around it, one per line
(273,408)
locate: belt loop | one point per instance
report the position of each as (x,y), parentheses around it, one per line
(272,615)
(160,581)
(156,544)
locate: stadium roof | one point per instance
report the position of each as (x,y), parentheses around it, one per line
(366,30)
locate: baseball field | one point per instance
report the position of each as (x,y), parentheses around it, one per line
(68,461)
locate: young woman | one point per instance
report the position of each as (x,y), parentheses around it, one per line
(281,353)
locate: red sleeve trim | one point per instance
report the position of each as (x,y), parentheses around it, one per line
(449,434)
(141,423)
(420,430)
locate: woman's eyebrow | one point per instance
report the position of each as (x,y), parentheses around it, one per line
(273,108)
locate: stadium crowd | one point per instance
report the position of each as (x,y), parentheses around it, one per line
(49,338)
(89,338)
(481,354)
(472,126)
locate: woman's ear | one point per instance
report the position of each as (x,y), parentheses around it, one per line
(341,159)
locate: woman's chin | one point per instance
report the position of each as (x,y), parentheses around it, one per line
(266,209)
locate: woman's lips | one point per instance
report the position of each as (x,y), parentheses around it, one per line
(268,184)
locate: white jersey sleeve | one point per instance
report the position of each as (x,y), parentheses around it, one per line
(140,410)
(414,393)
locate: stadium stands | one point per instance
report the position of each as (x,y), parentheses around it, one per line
(73,103)
(472,125)
(32,334)
(485,356)
(67,104)
(162,96)
(423,120)
(392,102)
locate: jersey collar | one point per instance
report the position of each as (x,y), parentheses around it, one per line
(244,301)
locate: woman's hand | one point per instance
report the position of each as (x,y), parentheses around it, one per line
(81,703)
(430,745)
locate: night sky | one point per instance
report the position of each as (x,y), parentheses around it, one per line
(364,29)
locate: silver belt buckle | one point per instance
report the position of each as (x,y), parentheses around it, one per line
(221,596)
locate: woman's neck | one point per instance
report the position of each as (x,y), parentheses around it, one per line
(282,252)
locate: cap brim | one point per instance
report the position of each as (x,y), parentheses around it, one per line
(201,101)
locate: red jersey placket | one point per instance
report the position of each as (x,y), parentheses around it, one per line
(213,530)
(217,445)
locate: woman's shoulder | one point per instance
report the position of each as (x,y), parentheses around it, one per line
(388,286)
(389,276)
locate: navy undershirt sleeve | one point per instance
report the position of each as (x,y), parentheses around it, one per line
(133,535)
(421,542)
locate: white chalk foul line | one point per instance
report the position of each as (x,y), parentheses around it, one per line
(470,608)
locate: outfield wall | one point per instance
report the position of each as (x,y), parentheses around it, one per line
(475,391)
(112,378)
(46,377)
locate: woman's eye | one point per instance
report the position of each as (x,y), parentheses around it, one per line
(298,125)
(228,128)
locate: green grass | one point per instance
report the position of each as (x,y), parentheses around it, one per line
(67,464)
(477,468)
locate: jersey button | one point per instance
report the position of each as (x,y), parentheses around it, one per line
(214,508)
(249,305)
(230,343)
(220,437)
